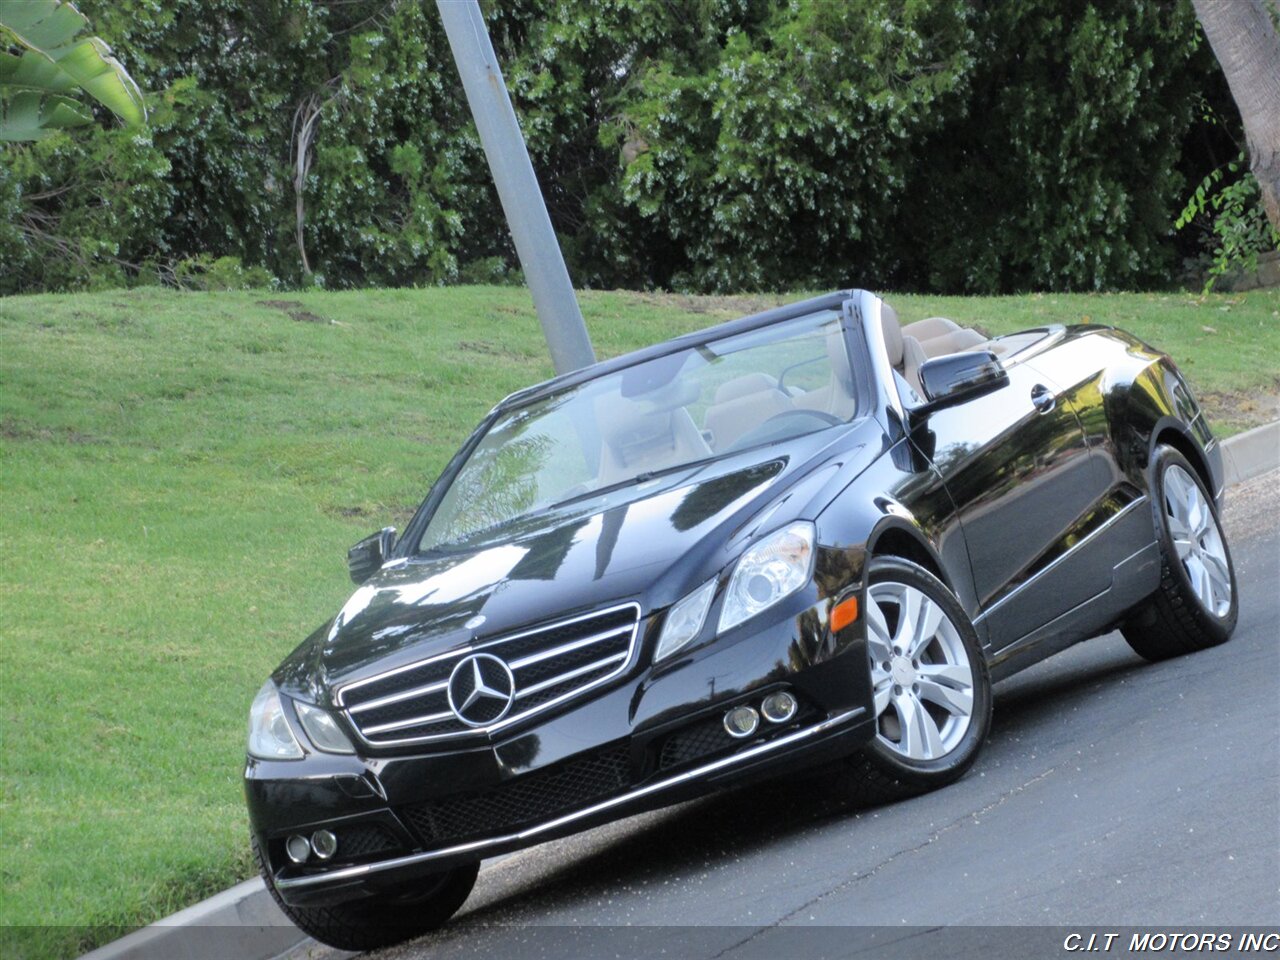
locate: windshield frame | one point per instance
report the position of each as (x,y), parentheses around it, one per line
(839,302)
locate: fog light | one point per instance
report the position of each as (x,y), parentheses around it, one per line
(741,721)
(779,707)
(324,843)
(298,849)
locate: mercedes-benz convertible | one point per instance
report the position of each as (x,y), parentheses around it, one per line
(809,536)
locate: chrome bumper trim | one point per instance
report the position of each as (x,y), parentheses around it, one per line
(529,833)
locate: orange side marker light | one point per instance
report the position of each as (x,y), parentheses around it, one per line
(843,614)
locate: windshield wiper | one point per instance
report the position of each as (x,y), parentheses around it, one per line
(632,481)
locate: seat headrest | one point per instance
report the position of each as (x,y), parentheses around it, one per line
(892,334)
(744,385)
(838,354)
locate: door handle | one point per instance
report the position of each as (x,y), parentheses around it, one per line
(1042,398)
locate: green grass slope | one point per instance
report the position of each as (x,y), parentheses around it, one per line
(180,477)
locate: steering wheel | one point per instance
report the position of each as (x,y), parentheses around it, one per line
(829,419)
(769,429)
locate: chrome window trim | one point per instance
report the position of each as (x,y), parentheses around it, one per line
(625,661)
(530,833)
(1113,519)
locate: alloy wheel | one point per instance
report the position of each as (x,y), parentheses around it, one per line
(920,672)
(1193,528)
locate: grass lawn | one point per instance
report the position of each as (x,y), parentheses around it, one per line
(181,476)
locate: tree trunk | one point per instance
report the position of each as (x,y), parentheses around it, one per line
(1244,39)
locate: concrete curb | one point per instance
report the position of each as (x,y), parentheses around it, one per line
(244,923)
(1246,455)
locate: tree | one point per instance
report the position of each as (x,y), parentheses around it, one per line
(1244,38)
(35,83)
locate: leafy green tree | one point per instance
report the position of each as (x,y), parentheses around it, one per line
(708,145)
(1245,35)
(53,63)
(1062,171)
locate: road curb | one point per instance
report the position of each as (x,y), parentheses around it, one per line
(244,922)
(1246,455)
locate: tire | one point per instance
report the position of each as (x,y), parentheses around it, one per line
(374,922)
(1196,604)
(956,704)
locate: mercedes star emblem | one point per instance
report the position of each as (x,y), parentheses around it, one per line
(481,690)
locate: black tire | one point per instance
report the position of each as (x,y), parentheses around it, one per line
(1174,620)
(877,773)
(374,922)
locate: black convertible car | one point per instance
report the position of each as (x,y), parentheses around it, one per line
(809,535)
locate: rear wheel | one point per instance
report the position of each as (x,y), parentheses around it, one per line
(375,922)
(1197,603)
(930,681)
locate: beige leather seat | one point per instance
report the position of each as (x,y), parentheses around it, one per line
(939,336)
(647,434)
(837,396)
(741,405)
(957,341)
(929,328)
(905,352)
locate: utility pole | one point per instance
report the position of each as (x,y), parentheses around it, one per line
(513,175)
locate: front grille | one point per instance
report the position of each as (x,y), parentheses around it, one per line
(549,665)
(528,799)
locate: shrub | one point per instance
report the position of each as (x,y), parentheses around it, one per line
(714,145)
(1227,209)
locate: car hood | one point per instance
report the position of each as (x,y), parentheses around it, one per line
(560,562)
(664,538)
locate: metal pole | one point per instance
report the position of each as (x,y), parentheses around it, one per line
(504,147)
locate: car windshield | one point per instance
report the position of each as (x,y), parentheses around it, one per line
(684,408)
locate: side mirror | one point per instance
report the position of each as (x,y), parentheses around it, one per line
(367,557)
(958,377)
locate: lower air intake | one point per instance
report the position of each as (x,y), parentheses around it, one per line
(526,800)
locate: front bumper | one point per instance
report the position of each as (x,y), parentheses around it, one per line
(651,739)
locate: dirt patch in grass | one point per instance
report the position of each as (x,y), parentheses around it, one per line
(12,429)
(736,305)
(295,311)
(479,346)
(1234,411)
(396,514)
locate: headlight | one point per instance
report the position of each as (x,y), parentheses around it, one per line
(684,620)
(323,729)
(773,569)
(269,735)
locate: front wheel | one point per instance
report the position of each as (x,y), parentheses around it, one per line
(375,922)
(930,681)
(1197,602)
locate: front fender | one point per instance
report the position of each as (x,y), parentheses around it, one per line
(899,505)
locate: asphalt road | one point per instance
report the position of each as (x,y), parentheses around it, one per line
(1112,793)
